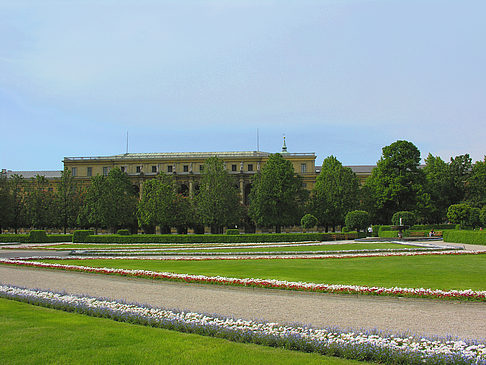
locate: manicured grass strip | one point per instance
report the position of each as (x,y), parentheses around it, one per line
(446,272)
(32,334)
(363,346)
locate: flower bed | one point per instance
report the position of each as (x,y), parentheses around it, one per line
(265,283)
(370,346)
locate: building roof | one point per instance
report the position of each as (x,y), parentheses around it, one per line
(31,174)
(185,155)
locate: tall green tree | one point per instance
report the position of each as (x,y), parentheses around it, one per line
(111,201)
(156,206)
(68,200)
(476,185)
(460,170)
(17,187)
(438,185)
(218,201)
(40,203)
(396,182)
(335,193)
(6,204)
(277,196)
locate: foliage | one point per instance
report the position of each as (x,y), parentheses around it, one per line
(335,193)
(123,232)
(68,200)
(474,219)
(482,216)
(40,203)
(460,170)
(476,185)
(232,231)
(277,196)
(156,206)
(218,202)
(308,221)
(6,204)
(82,235)
(357,219)
(459,213)
(396,184)
(408,218)
(217,238)
(463,236)
(111,201)
(183,213)
(38,236)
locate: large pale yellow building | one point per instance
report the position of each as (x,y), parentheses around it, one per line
(186,167)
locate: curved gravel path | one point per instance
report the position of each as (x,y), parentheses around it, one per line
(396,315)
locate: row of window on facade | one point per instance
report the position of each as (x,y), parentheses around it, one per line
(172,169)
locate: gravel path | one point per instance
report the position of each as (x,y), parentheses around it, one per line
(396,315)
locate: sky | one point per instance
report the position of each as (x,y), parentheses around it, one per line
(336,77)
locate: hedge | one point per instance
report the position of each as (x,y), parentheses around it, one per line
(80,236)
(468,237)
(429,227)
(392,234)
(222,238)
(36,236)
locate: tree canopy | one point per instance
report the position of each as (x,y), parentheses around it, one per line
(276,197)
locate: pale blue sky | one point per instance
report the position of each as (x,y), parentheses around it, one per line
(336,77)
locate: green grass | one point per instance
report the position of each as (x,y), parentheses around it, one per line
(36,335)
(428,271)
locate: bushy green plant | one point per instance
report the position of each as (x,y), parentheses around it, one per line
(392,234)
(408,218)
(482,216)
(123,232)
(308,221)
(458,213)
(345,229)
(38,236)
(474,219)
(81,236)
(463,236)
(232,231)
(357,219)
(428,227)
(14,238)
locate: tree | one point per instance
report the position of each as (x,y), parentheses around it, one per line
(68,200)
(474,219)
(335,193)
(40,203)
(218,202)
(460,170)
(403,218)
(6,204)
(157,203)
(308,221)
(17,186)
(396,182)
(476,185)
(438,184)
(482,216)
(276,198)
(357,219)
(183,213)
(111,201)
(459,213)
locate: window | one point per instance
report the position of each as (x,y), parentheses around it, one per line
(105,171)
(74,171)
(123,169)
(201,168)
(139,169)
(250,167)
(303,168)
(89,171)
(185,168)
(154,168)
(233,167)
(169,168)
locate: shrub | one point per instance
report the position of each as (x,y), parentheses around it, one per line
(308,221)
(482,216)
(123,232)
(81,236)
(345,229)
(357,219)
(384,228)
(459,213)
(38,236)
(468,237)
(474,219)
(14,238)
(392,234)
(232,231)
(408,218)
(428,227)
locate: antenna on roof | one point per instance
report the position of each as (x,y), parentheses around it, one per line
(258,141)
(127,142)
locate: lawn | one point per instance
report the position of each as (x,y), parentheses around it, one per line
(37,335)
(428,271)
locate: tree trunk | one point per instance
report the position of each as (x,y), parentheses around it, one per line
(278,229)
